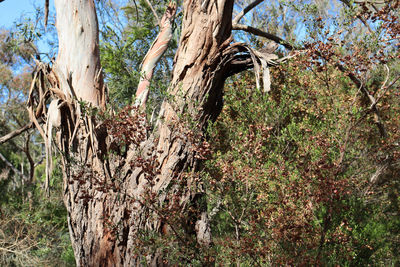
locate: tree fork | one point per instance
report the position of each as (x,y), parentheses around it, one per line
(113,196)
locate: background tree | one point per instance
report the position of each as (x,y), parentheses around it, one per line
(33,228)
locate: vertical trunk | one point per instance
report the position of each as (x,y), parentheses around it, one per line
(111,196)
(78,60)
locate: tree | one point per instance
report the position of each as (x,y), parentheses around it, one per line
(121,194)
(126,180)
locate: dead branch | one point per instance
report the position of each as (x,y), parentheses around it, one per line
(239,57)
(46,13)
(17,132)
(385,88)
(261,33)
(28,155)
(245,10)
(15,170)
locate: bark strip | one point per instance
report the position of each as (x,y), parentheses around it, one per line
(154,54)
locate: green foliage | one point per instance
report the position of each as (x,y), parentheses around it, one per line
(33,228)
(288,180)
(287,193)
(123,49)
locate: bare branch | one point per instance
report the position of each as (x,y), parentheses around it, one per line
(28,155)
(9,164)
(245,10)
(17,132)
(46,13)
(261,33)
(154,12)
(384,88)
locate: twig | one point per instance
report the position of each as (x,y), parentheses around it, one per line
(154,12)
(46,13)
(28,155)
(384,87)
(9,164)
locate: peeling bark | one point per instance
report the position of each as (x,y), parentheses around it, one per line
(113,196)
(115,192)
(154,54)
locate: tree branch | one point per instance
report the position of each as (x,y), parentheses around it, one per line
(348,4)
(245,10)
(28,155)
(261,33)
(15,170)
(154,54)
(46,13)
(154,12)
(17,132)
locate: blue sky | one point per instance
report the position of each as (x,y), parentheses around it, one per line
(11,10)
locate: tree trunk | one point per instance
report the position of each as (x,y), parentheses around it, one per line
(115,192)
(78,59)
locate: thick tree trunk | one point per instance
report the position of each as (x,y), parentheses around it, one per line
(113,196)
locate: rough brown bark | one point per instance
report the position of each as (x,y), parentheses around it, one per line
(122,180)
(111,196)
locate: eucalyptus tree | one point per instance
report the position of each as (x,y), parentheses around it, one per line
(128,180)
(114,194)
